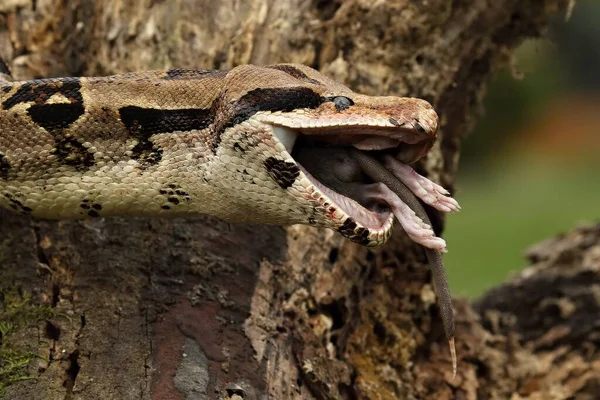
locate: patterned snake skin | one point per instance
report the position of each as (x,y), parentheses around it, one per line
(188,141)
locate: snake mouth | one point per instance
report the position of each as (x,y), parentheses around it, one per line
(336,182)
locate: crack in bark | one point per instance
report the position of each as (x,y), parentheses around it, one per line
(149,273)
(148,358)
(41,255)
(51,331)
(74,367)
(72,373)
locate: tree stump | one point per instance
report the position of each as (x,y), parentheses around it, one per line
(170,309)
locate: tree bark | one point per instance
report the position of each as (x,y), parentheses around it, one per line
(200,309)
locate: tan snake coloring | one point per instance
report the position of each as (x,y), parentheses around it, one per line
(251,144)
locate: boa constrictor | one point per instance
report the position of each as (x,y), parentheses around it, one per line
(252,144)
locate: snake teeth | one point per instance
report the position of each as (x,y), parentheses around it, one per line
(376,143)
(286,136)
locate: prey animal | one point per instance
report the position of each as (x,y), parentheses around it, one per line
(281,144)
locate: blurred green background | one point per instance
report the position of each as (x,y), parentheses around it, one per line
(531,167)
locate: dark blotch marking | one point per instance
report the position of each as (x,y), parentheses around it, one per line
(282,172)
(348,227)
(55,116)
(150,121)
(16,204)
(238,147)
(70,152)
(142,123)
(296,73)
(174,195)
(7,88)
(266,99)
(91,208)
(274,99)
(4,167)
(342,103)
(360,235)
(40,90)
(146,153)
(191,73)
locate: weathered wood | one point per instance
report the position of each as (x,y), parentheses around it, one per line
(201,309)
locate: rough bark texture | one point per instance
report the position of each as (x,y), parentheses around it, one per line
(201,309)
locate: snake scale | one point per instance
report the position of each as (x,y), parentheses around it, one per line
(250,144)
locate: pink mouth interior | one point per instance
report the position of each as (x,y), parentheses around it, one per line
(371,219)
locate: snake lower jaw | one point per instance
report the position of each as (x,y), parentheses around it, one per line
(377,220)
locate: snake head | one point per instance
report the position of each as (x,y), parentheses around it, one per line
(283,111)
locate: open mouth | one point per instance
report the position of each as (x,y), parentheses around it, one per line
(322,152)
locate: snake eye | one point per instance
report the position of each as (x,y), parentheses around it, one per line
(342,103)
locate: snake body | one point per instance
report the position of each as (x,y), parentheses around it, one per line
(190,141)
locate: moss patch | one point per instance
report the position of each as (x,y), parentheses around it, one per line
(13,366)
(17,310)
